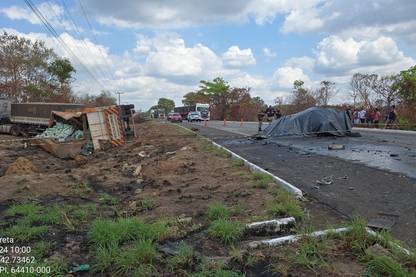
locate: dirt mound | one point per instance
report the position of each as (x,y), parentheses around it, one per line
(21,166)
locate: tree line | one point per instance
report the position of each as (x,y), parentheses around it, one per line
(31,72)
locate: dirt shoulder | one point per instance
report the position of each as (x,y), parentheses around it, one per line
(167,204)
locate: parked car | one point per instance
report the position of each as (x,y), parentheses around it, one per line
(175,117)
(194,116)
(169,116)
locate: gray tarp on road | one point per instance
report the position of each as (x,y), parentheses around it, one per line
(310,122)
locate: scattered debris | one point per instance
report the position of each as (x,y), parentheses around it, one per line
(83,267)
(21,166)
(394,155)
(144,154)
(194,129)
(170,153)
(138,171)
(335,146)
(327,180)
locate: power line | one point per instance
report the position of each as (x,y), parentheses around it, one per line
(53,32)
(94,37)
(76,28)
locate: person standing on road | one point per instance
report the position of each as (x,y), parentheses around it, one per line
(278,114)
(361,115)
(270,113)
(391,119)
(260,117)
(376,117)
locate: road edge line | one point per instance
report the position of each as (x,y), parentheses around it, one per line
(253,167)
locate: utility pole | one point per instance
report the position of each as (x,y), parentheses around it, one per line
(119,100)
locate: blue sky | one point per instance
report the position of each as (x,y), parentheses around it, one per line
(150,49)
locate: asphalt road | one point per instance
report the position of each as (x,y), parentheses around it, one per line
(389,150)
(353,188)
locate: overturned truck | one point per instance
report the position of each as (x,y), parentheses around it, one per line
(83,131)
(311,122)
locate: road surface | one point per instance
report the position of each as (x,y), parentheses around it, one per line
(390,150)
(377,193)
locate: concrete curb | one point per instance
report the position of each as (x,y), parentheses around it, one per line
(255,168)
(390,131)
(293,238)
(318,234)
(274,225)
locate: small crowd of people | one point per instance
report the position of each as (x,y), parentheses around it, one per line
(269,114)
(371,117)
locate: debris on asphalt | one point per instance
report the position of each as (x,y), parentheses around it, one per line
(327,180)
(194,129)
(394,155)
(335,146)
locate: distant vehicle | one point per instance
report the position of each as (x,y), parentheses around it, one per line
(175,117)
(198,107)
(194,116)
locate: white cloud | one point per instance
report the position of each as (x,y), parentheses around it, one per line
(336,53)
(180,13)
(286,75)
(269,53)
(302,21)
(236,57)
(52,12)
(304,62)
(339,56)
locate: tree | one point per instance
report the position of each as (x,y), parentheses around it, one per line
(166,104)
(362,86)
(193,97)
(31,72)
(386,94)
(301,98)
(324,93)
(217,91)
(405,85)
(105,98)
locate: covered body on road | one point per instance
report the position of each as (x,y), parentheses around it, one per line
(311,122)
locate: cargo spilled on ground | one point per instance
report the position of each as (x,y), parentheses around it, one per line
(171,204)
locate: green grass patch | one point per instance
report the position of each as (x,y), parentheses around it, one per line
(105,232)
(309,254)
(109,199)
(289,208)
(226,231)
(262,180)
(386,266)
(218,210)
(82,212)
(238,162)
(147,204)
(185,257)
(142,252)
(25,209)
(41,249)
(82,189)
(25,233)
(215,269)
